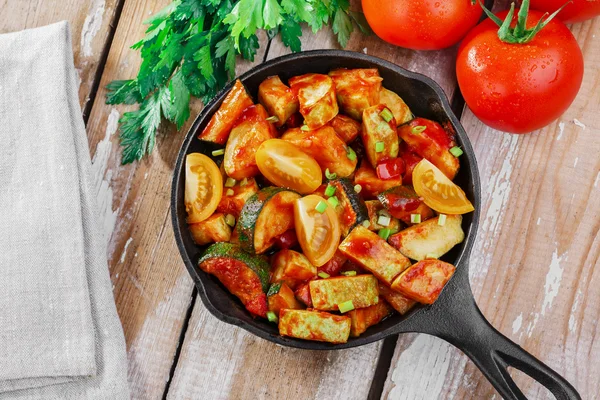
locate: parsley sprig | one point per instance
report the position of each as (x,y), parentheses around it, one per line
(190,49)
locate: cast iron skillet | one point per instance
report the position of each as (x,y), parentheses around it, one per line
(454,317)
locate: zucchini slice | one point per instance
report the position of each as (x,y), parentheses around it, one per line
(424,280)
(378,214)
(351,208)
(244,275)
(314,325)
(266,215)
(327,294)
(363,318)
(284,298)
(402,201)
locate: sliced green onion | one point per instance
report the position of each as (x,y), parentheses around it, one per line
(386,114)
(383,220)
(333,201)
(244,182)
(349,273)
(321,207)
(384,212)
(274,289)
(346,306)
(379,147)
(229,192)
(230,182)
(357,188)
(272,317)
(323,275)
(456,151)
(418,129)
(442,219)
(415,218)
(366,223)
(230,220)
(350,154)
(273,119)
(330,175)
(430,255)
(304,128)
(384,233)
(329,191)
(219,152)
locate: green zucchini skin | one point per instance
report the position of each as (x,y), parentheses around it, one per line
(257,264)
(349,200)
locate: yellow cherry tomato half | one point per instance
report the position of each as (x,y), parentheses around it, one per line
(285,165)
(317,228)
(203,187)
(438,191)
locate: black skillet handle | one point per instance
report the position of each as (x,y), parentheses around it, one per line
(456,318)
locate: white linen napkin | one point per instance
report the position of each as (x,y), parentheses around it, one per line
(60,335)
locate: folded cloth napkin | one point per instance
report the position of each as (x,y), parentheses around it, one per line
(60,335)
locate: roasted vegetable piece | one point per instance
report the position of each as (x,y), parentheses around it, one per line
(424,280)
(316,94)
(402,202)
(363,318)
(431,141)
(317,228)
(220,124)
(292,268)
(303,295)
(374,254)
(278,99)
(396,105)
(266,215)
(378,135)
(356,89)
(283,298)
(333,266)
(378,214)
(351,208)
(411,159)
(245,276)
(429,239)
(235,197)
(203,187)
(326,147)
(211,230)
(287,240)
(370,183)
(286,165)
(327,294)
(250,130)
(401,303)
(314,325)
(345,127)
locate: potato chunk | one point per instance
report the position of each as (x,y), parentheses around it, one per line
(218,128)
(428,239)
(396,105)
(314,325)
(365,317)
(284,298)
(233,202)
(292,268)
(424,280)
(373,253)
(316,94)
(247,135)
(356,89)
(379,137)
(326,294)
(401,303)
(345,127)
(325,146)
(212,230)
(278,99)
(371,185)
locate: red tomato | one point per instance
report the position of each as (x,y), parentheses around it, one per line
(391,169)
(519,88)
(575,11)
(421,24)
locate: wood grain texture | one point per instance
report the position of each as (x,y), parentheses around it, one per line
(90,24)
(219,361)
(534,268)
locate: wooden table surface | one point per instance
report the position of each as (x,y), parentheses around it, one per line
(535,269)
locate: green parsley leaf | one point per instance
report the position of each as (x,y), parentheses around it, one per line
(248,47)
(342,27)
(179,110)
(300,8)
(203,56)
(271,14)
(123,92)
(290,32)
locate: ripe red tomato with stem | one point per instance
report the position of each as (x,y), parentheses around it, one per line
(574,11)
(523,76)
(421,24)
